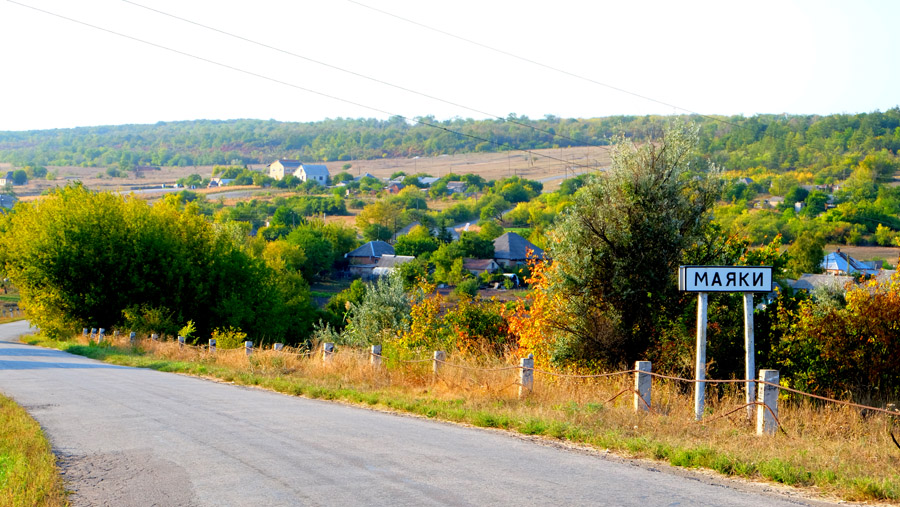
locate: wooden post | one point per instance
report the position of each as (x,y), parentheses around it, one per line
(375,355)
(768,395)
(278,346)
(212,344)
(643,384)
(700,366)
(327,351)
(436,360)
(526,376)
(248,347)
(749,351)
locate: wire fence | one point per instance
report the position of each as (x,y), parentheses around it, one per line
(439,361)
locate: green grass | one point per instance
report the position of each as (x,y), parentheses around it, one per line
(576,422)
(28,473)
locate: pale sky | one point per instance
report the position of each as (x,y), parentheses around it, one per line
(711,57)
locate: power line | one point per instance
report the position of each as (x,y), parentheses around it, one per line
(285,83)
(539,64)
(360,75)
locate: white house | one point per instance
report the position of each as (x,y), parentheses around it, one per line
(281,167)
(313,172)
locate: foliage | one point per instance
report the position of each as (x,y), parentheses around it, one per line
(82,259)
(617,249)
(340,303)
(833,349)
(382,314)
(229,338)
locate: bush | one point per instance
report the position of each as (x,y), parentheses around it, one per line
(467,287)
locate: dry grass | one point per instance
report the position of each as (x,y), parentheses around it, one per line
(829,450)
(28,473)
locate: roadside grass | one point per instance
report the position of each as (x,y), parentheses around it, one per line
(828,450)
(28,472)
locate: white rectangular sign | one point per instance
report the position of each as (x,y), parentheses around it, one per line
(725,278)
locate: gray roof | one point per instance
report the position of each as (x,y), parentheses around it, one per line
(372,249)
(428,180)
(808,282)
(289,164)
(514,247)
(390,261)
(315,169)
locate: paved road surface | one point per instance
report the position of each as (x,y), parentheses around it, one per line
(139,437)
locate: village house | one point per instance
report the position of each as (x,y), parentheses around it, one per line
(511,250)
(6,179)
(282,167)
(839,263)
(317,173)
(479,266)
(388,263)
(363,259)
(457,187)
(395,188)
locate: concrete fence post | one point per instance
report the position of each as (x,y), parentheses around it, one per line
(212,344)
(84,331)
(132,337)
(278,346)
(375,355)
(767,395)
(93,332)
(154,337)
(436,360)
(643,384)
(327,351)
(248,347)
(181,341)
(101,334)
(526,375)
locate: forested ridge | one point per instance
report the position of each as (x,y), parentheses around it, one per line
(774,142)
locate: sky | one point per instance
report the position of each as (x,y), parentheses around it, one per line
(473,59)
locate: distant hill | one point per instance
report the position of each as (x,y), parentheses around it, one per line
(776,142)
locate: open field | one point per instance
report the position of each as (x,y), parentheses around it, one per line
(564,161)
(827,450)
(867,253)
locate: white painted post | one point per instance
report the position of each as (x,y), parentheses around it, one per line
(278,346)
(700,367)
(181,341)
(327,351)
(84,331)
(768,395)
(643,383)
(248,347)
(101,335)
(93,332)
(438,357)
(749,350)
(154,337)
(132,337)
(375,355)
(212,344)
(526,375)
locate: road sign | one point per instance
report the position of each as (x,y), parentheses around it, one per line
(725,278)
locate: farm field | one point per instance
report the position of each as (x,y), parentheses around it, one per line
(535,165)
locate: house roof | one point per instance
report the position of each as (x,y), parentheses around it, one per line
(428,180)
(391,261)
(364,175)
(457,186)
(479,264)
(514,247)
(809,282)
(840,261)
(315,169)
(289,164)
(372,249)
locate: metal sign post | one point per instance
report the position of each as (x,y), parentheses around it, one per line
(705,279)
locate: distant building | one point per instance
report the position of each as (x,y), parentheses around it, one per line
(511,250)
(395,188)
(282,167)
(6,179)
(457,187)
(363,259)
(388,263)
(317,173)
(839,263)
(479,266)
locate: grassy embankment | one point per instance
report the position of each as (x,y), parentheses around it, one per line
(28,473)
(827,450)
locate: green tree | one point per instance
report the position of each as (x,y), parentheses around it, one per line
(806,254)
(617,249)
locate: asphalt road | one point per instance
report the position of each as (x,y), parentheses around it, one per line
(130,436)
